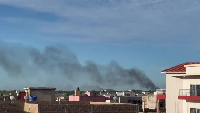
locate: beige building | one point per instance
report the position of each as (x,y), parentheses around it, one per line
(183,88)
(149,101)
(42,93)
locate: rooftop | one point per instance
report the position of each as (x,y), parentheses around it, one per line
(41,88)
(98,103)
(179,68)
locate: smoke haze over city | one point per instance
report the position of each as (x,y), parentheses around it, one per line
(57,66)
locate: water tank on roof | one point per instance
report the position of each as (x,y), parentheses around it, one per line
(32,98)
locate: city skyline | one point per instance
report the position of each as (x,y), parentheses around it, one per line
(149,35)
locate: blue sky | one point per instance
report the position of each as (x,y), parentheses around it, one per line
(148,34)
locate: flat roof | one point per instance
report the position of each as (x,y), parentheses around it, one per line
(41,88)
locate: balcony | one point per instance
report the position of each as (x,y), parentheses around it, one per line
(189,94)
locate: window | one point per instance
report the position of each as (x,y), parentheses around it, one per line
(194,90)
(161,105)
(194,110)
(198,110)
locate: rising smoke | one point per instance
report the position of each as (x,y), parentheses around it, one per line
(56,66)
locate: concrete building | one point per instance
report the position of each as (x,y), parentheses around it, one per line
(88,93)
(87,98)
(154,102)
(125,93)
(42,93)
(107,92)
(147,92)
(160,91)
(149,102)
(90,96)
(183,88)
(130,99)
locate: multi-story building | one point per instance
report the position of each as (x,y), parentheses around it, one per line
(183,88)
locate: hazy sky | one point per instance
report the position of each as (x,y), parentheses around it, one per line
(151,35)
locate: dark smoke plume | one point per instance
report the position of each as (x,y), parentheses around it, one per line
(56,66)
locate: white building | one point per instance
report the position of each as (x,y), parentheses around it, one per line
(125,93)
(160,91)
(183,88)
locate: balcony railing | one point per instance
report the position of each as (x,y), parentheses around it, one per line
(189,92)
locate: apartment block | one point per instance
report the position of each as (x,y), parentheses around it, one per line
(183,88)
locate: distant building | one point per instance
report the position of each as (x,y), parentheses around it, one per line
(125,93)
(107,92)
(130,99)
(89,96)
(61,97)
(42,93)
(137,91)
(160,91)
(147,92)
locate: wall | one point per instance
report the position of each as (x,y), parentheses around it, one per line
(173,84)
(132,93)
(91,93)
(110,101)
(149,101)
(89,108)
(31,107)
(126,93)
(109,97)
(190,80)
(43,94)
(192,70)
(186,85)
(74,98)
(87,98)
(11,107)
(93,98)
(120,93)
(70,107)
(191,104)
(161,92)
(125,99)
